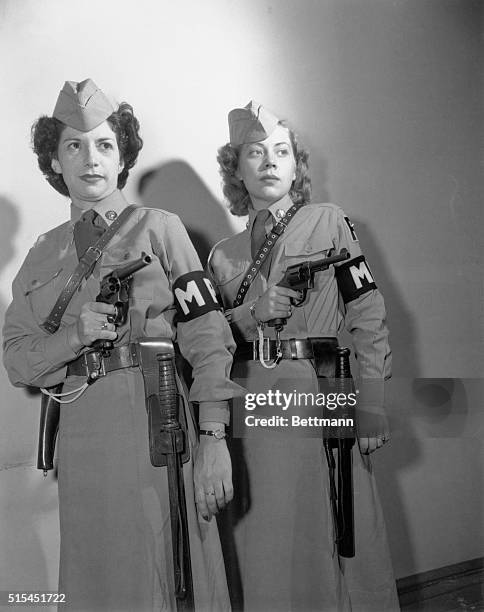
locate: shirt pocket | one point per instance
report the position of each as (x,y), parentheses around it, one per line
(43,289)
(142,281)
(306,250)
(230,279)
(310,250)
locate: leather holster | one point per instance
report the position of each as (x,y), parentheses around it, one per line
(48,428)
(167,425)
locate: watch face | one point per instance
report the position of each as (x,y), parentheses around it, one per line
(218,434)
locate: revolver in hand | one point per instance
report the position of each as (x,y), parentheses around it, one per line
(300,277)
(115,290)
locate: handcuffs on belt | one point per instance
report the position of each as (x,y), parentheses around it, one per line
(94,365)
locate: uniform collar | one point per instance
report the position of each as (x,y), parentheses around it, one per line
(115,202)
(277,210)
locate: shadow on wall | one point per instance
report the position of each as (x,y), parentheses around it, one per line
(17,427)
(25,499)
(177,188)
(8,230)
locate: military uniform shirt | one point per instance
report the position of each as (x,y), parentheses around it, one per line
(312,233)
(33,357)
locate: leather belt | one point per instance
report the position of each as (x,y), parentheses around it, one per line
(125,356)
(293,348)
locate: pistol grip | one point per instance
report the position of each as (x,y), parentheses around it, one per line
(295,302)
(277,323)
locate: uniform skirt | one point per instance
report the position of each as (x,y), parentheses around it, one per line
(278,534)
(116,551)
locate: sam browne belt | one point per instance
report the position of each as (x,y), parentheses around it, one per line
(292,348)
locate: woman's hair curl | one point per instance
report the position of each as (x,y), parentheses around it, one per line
(46,133)
(234,189)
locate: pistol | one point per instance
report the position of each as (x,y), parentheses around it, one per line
(115,290)
(300,277)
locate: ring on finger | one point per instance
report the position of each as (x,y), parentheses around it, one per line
(210,493)
(104,325)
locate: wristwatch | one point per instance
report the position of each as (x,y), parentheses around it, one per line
(218,434)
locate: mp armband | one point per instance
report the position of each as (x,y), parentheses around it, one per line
(194,296)
(354,279)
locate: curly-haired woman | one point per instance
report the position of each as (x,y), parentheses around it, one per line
(281,530)
(116,545)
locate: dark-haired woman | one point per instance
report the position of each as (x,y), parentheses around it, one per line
(283,529)
(116,549)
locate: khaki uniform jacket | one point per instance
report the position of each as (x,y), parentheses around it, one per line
(315,230)
(34,357)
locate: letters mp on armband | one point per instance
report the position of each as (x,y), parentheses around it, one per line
(194,296)
(354,279)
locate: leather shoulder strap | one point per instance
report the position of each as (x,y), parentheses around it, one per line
(83,269)
(263,253)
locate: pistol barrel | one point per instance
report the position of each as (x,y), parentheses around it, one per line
(133,267)
(322,264)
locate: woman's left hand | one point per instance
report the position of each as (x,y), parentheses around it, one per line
(212,476)
(369,445)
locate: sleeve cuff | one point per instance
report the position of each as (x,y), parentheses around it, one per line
(58,347)
(371,417)
(214,411)
(242,321)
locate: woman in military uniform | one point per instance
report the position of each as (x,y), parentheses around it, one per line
(116,549)
(281,516)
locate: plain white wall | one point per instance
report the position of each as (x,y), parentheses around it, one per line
(387,95)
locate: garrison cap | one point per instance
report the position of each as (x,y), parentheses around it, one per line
(252,123)
(82,106)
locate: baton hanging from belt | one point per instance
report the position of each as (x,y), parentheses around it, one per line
(168,446)
(342,504)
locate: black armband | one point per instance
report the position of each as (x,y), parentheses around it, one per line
(354,279)
(194,296)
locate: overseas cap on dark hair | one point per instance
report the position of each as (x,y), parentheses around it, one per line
(252,123)
(82,106)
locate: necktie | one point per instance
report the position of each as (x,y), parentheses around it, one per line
(87,231)
(259,231)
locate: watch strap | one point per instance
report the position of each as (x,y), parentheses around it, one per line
(218,434)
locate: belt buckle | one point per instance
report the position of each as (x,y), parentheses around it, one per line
(95,251)
(94,362)
(91,256)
